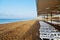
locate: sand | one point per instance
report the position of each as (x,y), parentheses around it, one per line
(15,29)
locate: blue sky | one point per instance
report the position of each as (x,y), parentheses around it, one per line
(18,9)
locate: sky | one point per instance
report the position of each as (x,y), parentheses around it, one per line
(18,9)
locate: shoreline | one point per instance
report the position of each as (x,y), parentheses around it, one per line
(7,22)
(20,30)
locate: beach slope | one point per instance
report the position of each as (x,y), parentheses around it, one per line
(25,30)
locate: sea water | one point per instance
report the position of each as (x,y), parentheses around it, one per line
(3,21)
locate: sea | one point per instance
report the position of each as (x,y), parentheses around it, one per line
(4,21)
